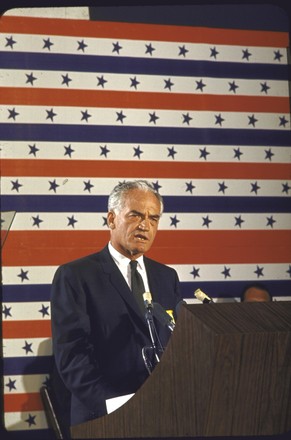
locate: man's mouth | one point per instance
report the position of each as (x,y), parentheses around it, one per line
(140,237)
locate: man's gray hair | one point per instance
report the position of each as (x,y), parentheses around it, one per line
(116,198)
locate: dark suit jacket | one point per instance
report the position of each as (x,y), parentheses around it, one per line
(98,331)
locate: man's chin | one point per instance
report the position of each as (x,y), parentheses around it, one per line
(141,248)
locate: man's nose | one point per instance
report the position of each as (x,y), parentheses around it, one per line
(145,223)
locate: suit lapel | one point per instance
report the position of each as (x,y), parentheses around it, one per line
(119,283)
(153,282)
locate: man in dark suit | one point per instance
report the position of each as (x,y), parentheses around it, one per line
(98,327)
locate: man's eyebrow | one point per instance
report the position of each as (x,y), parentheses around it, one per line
(133,211)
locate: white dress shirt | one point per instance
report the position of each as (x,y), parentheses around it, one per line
(122,263)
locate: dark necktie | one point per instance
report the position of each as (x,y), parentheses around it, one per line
(137,285)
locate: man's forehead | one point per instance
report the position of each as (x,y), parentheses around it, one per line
(138,200)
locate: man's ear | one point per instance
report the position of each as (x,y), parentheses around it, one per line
(110,219)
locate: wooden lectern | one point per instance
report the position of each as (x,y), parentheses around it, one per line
(226,371)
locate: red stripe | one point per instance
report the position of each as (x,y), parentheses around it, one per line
(26,329)
(52,248)
(153,32)
(22,402)
(3,236)
(116,99)
(143,169)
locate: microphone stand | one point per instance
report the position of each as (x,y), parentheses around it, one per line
(147,297)
(152,330)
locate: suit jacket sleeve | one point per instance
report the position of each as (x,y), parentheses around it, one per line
(75,356)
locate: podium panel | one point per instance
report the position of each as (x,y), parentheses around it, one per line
(226,371)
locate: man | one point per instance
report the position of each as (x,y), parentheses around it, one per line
(98,327)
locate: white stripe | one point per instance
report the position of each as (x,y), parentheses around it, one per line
(7,218)
(220,222)
(27,383)
(207,272)
(147,83)
(140,117)
(36,275)
(150,152)
(16,421)
(80,13)
(238,272)
(169,187)
(88,221)
(26,311)
(137,48)
(16,347)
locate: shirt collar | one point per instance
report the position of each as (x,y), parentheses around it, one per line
(121,260)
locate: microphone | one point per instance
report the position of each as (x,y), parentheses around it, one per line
(147,298)
(178,306)
(162,316)
(202,296)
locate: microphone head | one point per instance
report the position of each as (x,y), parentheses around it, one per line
(147,297)
(162,316)
(178,306)
(202,296)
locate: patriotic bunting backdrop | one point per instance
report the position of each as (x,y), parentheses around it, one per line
(201,113)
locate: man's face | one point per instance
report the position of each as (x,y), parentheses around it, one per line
(134,228)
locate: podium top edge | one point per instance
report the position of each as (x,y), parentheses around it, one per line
(274,316)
